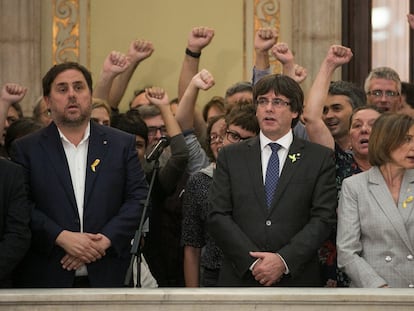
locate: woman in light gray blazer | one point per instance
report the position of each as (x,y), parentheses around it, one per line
(375,239)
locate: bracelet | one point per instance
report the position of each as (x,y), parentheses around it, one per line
(192,54)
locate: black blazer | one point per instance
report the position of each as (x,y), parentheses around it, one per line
(14,219)
(296,225)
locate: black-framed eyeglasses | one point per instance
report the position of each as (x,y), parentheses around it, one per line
(215,139)
(152,130)
(380,93)
(234,137)
(276,102)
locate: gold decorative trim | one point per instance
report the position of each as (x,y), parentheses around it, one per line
(267,14)
(65,31)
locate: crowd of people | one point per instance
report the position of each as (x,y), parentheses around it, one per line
(262,186)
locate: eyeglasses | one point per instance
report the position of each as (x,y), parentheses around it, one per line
(152,130)
(380,93)
(276,102)
(215,139)
(234,137)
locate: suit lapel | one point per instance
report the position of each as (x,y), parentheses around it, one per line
(51,141)
(381,193)
(97,148)
(254,167)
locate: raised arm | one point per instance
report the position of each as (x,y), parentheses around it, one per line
(285,56)
(115,63)
(171,172)
(157,96)
(199,38)
(138,51)
(10,93)
(186,108)
(264,39)
(313,111)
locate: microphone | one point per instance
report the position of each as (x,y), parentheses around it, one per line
(158,149)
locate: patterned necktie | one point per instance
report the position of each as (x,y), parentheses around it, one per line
(272,174)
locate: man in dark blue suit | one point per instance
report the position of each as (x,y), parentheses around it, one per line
(86,184)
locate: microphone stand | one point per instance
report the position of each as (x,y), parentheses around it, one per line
(136,245)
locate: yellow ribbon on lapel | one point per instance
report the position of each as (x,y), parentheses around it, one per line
(95,164)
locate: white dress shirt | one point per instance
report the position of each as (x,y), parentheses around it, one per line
(77,158)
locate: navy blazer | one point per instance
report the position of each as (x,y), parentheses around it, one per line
(295,226)
(115,185)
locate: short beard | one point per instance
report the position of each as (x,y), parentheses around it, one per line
(82,119)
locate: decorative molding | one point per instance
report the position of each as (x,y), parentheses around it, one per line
(70,31)
(66,24)
(267,14)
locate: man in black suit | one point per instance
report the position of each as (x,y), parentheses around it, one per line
(14,219)
(273,242)
(86,184)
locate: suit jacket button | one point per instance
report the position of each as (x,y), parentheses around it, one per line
(388,258)
(77,221)
(410,257)
(268,223)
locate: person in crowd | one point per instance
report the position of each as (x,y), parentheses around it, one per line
(10,111)
(198,39)
(20,128)
(195,208)
(40,112)
(162,247)
(139,99)
(285,56)
(117,71)
(327,115)
(132,123)
(101,112)
(214,107)
(407,98)
(375,230)
(383,89)
(240,124)
(187,117)
(271,218)
(330,105)
(86,185)
(138,51)
(114,65)
(14,220)
(240,91)
(264,41)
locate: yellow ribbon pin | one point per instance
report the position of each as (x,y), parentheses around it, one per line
(95,164)
(294,157)
(407,200)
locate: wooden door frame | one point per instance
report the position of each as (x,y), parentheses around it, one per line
(356,34)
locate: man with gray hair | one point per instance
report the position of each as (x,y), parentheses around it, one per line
(383,89)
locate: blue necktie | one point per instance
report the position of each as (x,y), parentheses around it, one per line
(272,174)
